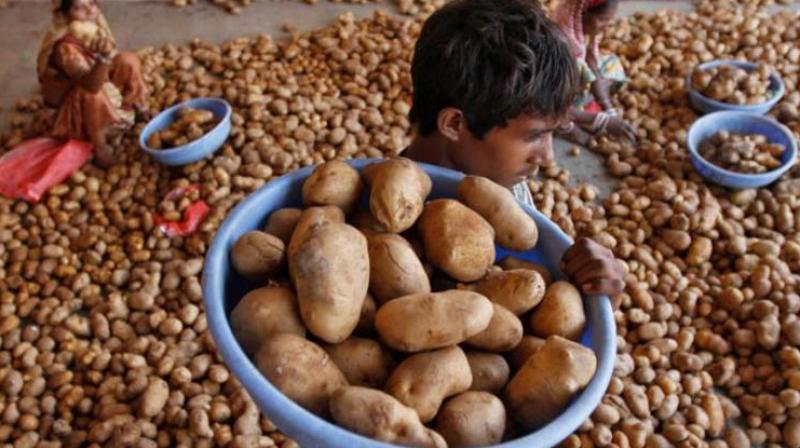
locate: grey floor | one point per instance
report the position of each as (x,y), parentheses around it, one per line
(139,23)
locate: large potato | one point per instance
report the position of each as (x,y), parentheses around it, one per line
(526,348)
(330,271)
(311,218)
(366,322)
(333,183)
(394,269)
(510,263)
(472,419)
(513,228)
(301,370)
(398,188)
(560,313)
(424,380)
(433,320)
(364,362)
(256,255)
(503,333)
(457,240)
(519,290)
(380,416)
(264,312)
(281,223)
(548,380)
(490,371)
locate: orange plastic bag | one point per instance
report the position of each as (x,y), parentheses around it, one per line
(192,217)
(33,166)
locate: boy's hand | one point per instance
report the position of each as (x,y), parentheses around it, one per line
(593,268)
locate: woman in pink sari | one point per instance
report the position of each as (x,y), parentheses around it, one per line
(95,88)
(583,22)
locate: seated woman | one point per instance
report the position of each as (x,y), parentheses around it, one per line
(95,88)
(583,22)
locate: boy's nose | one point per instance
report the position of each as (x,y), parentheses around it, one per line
(544,157)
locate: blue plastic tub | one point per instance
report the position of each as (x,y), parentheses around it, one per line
(223,288)
(704,104)
(742,123)
(194,150)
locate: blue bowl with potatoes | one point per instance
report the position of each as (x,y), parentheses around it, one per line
(224,287)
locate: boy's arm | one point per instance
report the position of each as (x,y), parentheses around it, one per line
(593,268)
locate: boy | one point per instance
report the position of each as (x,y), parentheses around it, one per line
(492,80)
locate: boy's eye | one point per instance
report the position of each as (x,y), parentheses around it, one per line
(534,137)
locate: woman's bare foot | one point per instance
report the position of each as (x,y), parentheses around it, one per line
(576,136)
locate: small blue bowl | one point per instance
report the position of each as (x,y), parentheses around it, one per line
(704,104)
(195,150)
(742,123)
(223,288)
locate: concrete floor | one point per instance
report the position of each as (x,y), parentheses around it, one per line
(139,23)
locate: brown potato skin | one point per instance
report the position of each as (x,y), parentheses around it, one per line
(490,371)
(446,224)
(526,348)
(560,313)
(256,255)
(424,380)
(366,322)
(365,222)
(510,263)
(364,362)
(330,271)
(264,312)
(472,419)
(333,183)
(395,270)
(433,320)
(398,188)
(282,222)
(543,386)
(503,333)
(301,370)
(518,290)
(312,217)
(514,229)
(380,416)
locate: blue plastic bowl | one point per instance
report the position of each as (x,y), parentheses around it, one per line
(742,123)
(704,104)
(223,288)
(196,149)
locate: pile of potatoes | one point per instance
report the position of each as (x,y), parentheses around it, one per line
(190,125)
(399,311)
(743,153)
(732,84)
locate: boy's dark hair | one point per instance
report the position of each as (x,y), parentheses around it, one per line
(494,60)
(65,6)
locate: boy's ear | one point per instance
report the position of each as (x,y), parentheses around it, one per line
(451,123)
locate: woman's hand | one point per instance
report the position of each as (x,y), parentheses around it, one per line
(601,90)
(104,47)
(617,127)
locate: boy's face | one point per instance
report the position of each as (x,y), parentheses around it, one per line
(507,155)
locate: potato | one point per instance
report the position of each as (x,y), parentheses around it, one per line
(472,419)
(503,333)
(312,217)
(256,255)
(513,228)
(366,322)
(380,416)
(548,380)
(490,371)
(510,263)
(398,188)
(424,380)
(560,313)
(264,312)
(301,370)
(330,271)
(524,350)
(433,320)
(518,290)
(333,183)
(394,269)
(457,240)
(364,362)
(281,223)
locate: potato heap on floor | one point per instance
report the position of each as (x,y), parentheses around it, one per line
(348,325)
